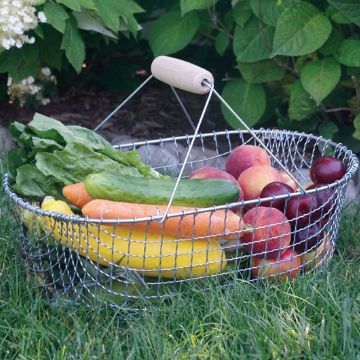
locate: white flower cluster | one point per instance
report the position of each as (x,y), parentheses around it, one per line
(29,87)
(17,17)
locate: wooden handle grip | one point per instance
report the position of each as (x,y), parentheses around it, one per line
(181,74)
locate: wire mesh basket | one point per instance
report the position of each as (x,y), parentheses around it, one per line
(123,260)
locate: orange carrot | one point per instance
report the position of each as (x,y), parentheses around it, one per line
(76,194)
(220,224)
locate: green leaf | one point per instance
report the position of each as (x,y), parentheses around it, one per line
(350,8)
(241,12)
(300,30)
(88,4)
(261,71)
(56,16)
(247,100)
(320,77)
(221,42)
(348,52)
(171,32)
(345,136)
(20,63)
(73,45)
(356,124)
(109,15)
(71,4)
(300,104)
(269,11)
(50,48)
(127,9)
(85,21)
(39,32)
(252,43)
(337,16)
(308,125)
(328,129)
(190,5)
(332,43)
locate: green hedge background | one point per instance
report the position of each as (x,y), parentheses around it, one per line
(280,63)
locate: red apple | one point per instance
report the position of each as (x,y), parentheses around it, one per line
(271,233)
(215,173)
(307,238)
(255,178)
(285,178)
(302,210)
(274,189)
(327,169)
(245,156)
(287,266)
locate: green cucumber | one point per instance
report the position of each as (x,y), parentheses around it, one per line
(194,192)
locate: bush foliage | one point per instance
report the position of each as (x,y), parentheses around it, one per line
(291,64)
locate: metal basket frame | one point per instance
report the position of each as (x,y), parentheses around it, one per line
(72,270)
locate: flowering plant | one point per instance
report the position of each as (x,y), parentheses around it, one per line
(39,35)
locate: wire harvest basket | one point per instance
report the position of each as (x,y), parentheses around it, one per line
(122,260)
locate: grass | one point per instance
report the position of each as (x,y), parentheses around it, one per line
(315,317)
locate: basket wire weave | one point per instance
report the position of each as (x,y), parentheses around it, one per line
(66,253)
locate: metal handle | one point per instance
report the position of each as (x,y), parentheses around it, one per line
(181,74)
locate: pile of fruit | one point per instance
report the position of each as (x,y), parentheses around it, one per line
(287,231)
(72,170)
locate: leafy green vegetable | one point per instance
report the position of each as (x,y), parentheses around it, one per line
(51,155)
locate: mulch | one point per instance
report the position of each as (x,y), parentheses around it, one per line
(153,113)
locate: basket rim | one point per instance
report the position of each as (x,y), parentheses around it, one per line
(352,158)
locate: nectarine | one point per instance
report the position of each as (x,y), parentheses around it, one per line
(287,266)
(255,178)
(285,178)
(245,156)
(271,233)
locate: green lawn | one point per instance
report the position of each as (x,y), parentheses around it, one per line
(315,317)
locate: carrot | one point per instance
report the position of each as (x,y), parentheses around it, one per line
(76,194)
(220,224)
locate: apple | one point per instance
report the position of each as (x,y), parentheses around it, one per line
(255,178)
(307,238)
(326,199)
(327,169)
(215,173)
(315,258)
(287,266)
(300,210)
(271,234)
(285,178)
(245,156)
(274,189)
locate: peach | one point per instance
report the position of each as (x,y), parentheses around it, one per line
(287,266)
(245,156)
(271,233)
(286,179)
(255,178)
(215,173)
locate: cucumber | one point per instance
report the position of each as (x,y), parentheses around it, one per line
(194,192)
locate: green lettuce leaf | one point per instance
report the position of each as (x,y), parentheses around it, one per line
(76,161)
(33,184)
(51,155)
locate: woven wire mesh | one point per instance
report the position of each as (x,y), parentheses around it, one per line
(118,261)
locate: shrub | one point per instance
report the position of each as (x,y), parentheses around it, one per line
(291,64)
